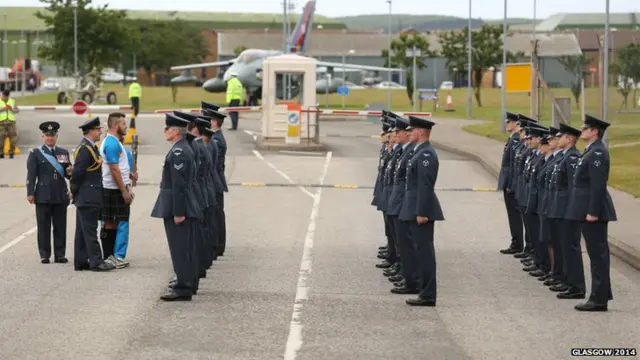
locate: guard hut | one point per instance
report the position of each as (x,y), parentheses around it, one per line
(288,124)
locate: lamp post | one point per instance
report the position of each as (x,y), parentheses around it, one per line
(75,51)
(5,42)
(469,93)
(389,60)
(605,79)
(503,90)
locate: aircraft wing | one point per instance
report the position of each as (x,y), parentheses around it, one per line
(336,65)
(204,65)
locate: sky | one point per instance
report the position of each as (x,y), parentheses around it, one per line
(486,9)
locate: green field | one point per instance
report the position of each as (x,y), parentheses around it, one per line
(625,170)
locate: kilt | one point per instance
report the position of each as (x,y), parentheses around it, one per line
(113,206)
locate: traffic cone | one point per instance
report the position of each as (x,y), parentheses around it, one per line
(6,148)
(449,107)
(131,131)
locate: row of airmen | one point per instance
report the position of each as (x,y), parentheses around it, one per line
(556,194)
(191,198)
(404,192)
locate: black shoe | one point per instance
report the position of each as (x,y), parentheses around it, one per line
(80,267)
(591,306)
(395,278)
(404,290)
(559,288)
(104,267)
(203,274)
(382,256)
(10,156)
(384,247)
(510,251)
(400,284)
(530,268)
(61,260)
(384,265)
(538,273)
(420,302)
(173,296)
(571,294)
(521,255)
(552,282)
(44,260)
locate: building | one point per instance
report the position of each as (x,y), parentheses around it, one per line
(585,21)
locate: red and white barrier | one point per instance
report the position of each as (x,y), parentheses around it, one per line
(92,108)
(334,112)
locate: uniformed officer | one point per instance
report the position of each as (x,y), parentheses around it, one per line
(218,189)
(592,206)
(177,206)
(384,142)
(47,168)
(405,279)
(521,154)
(422,209)
(504,184)
(385,190)
(568,270)
(217,119)
(86,190)
(388,254)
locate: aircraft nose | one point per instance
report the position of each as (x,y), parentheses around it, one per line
(215,85)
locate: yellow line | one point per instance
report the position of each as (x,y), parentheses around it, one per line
(483,189)
(345,186)
(255,184)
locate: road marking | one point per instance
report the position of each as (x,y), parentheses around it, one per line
(294,339)
(285,176)
(252,134)
(22,236)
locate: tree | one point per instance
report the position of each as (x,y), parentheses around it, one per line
(627,66)
(399,58)
(239,49)
(486,52)
(166,44)
(103,35)
(577,65)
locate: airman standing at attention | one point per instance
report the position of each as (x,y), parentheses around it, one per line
(422,209)
(86,189)
(591,205)
(504,184)
(47,168)
(177,206)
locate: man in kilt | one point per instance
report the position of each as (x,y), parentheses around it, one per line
(116,186)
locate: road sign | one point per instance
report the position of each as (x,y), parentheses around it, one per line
(79,107)
(518,77)
(343,90)
(428,94)
(293,127)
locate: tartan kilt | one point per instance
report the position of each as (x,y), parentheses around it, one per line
(113,206)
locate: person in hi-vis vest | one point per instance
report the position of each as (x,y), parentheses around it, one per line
(8,111)
(135,93)
(235,95)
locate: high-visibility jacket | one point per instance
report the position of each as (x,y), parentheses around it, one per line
(135,90)
(235,90)
(7,114)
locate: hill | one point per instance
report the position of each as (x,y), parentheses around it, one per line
(418,22)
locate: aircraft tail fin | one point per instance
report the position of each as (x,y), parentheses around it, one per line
(300,34)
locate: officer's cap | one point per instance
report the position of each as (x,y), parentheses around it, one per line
(593,122)
(49,128)
(511,117)
(214,115)
(209,106)
(385,128)
(194,119)
(524,120)
(420,123)
(172,120)
(190,136)
(536,131)
(90,124)
(553,131)
(208,132)
(401,124)
(566,129)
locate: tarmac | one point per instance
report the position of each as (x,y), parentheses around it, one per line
(298,279)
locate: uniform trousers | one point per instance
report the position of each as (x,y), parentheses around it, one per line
(572,251)
(86,246)
(46,216)
(595,238)
(392,256)
(422,236)
(393,221)
(199,245)
(408,258)
(533,230)
(222,225)
(543,244)
(556,238)
(528,246)
(515,220)
(181,240)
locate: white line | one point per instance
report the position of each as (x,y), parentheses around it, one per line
(22,236)
(294,340)
(285,176)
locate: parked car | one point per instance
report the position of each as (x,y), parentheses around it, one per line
(51,84)
(389,85)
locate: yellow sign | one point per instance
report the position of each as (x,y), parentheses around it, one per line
(518,77)
(293,127)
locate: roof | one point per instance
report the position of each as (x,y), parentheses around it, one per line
(336,42)
(23,18)
(589,40)
(588,20)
